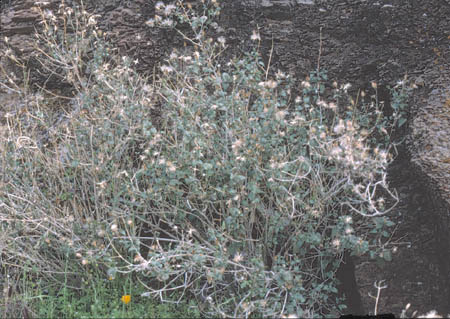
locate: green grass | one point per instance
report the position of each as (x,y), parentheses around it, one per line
(100,298)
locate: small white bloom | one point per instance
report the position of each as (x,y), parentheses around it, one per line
(349,125)
(122,173)
(166,69)
(169,8)
(339,128)
(159,5)
(255,36)
(336,151)
(336,243)
(92,20)
(280,115)
(322,103)
(172,168)
(48,13)
(167,23)
(236,145)
(271,84)
(237,258)
(346,86)
(102,184)
(221,40)
(187,59)
(280,75)
(383,154)
(173,55)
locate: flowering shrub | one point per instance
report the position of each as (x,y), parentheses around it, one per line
(64,157)
(250,193)
(259,191)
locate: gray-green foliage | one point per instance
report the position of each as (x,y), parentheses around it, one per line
(260,191)
(249,192)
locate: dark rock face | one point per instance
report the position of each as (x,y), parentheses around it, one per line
(349,287)
(359,41)
(429,139)
(428,143)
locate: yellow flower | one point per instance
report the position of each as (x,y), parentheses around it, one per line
(126,299)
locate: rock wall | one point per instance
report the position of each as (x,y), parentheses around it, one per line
(429,145)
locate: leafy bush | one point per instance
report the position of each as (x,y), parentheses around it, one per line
(261,191)
(64,158)
(249,192)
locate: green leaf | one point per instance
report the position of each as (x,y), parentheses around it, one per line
(112,272)
(401,121)
(75,163)
(387,255)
